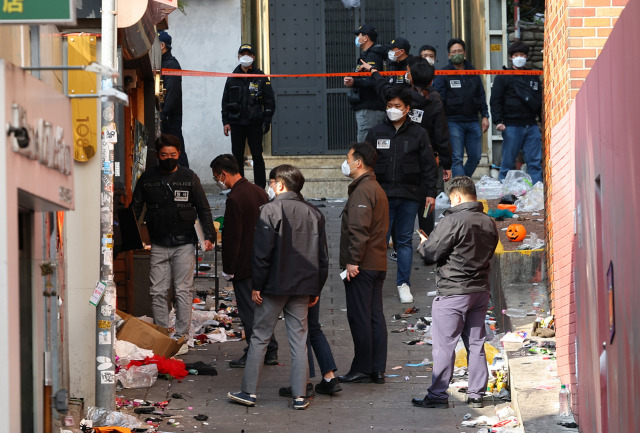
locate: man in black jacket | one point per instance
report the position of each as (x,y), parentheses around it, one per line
(398,57)
(290,266)
(362,95)
(463,97)
(240,216)
(516,101)
(171,114)
(174,198)
(406,170)
(461,246)
(248,105)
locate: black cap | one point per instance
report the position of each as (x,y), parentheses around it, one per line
(164,37)
(518,47)
(366,29)
(246,47)
(401,43)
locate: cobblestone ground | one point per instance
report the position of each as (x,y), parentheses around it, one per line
(358,408)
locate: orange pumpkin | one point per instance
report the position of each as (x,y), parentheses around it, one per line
(516,232)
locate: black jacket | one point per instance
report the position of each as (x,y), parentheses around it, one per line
(174,201)
(516,99)
(172,107)
(240,216)
(429,113)
(398,66)
(406,167)
(247,101)
(463,95)
(462,245)
(368,98)
(290,255)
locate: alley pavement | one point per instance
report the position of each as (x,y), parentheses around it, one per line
(357,408)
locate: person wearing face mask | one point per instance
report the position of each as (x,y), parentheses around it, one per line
(171,113)
(516,103)
(464,99)
(407,171)
(248,104)
(363,250)
(240,215)
(428,52)
(397,57)
(369,109)
(174,198)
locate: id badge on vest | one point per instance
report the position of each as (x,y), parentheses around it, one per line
(383,143)
(455,84)
(181,196)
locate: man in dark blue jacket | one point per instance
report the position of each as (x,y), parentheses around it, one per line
(463,97)
(516,101)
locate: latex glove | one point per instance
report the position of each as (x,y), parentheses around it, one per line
(227,277)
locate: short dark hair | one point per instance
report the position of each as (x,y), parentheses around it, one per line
(464,185)
(289,175)
(428,47)
(422,74)
(399,91)
(226,162)
(166,140)
(365,153)
(412,60)
(454,41)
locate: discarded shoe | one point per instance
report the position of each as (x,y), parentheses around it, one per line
(300,403)
(242,397)
(329,388)
(285,391)
(404,293)
(428,403)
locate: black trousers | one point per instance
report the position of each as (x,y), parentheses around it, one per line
(251,134)
(246,307)
(366,321)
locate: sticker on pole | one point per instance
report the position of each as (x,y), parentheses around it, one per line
(107,377)
(97,293)
(104,363)
(104,337)
(110,134)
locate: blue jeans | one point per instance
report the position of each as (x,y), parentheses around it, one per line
(402,213)
(465,135)
(528,140)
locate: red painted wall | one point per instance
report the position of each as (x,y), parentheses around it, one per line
(607,143)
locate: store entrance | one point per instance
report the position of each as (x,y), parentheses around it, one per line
(27,373)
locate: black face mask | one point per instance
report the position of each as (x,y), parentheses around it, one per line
(168,164)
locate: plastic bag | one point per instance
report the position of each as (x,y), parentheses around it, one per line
(442,201)
(533,200)
(142,376)
(531,242)
(517,182)
(488,188)
(127,351)
(106,417)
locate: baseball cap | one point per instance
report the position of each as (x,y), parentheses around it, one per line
(402,44)
(246,47)
(366,29)
(164,37)
(518,47)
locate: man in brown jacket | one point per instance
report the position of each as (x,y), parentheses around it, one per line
(363,249)
(240,217)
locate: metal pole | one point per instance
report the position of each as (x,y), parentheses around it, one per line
(105,310)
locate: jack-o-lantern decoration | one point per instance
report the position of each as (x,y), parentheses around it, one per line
(516,232)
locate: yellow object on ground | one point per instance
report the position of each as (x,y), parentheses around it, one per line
(461,355)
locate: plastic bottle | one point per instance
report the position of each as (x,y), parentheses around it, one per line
(564,401)
(514,312)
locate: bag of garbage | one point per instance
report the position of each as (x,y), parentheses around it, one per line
(488,188)
(517,182)
(138,376)
(442,201)
(101,416)
(533,200)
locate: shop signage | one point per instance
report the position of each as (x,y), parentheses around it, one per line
(37,11)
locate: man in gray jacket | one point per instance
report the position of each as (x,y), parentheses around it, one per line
(290,265)
(461,245)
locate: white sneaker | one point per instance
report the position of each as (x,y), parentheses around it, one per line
(404,292)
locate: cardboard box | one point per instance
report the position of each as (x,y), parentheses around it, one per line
(148,336)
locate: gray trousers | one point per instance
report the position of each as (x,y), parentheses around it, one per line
(175,264)
(265,318)
(458,316)
(367,119)
(246,307)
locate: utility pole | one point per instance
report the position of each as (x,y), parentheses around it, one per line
(105,329)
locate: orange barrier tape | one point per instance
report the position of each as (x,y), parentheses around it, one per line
(188,73)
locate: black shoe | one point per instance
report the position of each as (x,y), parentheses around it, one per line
(286,391)
(377,377)
(475,402)
(239,363)
(355,377)
(428,403)
(271,360)
(330,387)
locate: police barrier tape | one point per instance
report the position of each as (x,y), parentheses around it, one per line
(188,73)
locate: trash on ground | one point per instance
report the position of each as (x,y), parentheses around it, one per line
(488,188)
(202,368)
(532,200)
(516,182)
(171,367)
(146,335)
(138,376)
(531,243)
(100,416)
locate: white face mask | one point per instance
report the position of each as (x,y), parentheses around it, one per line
(392,55)
(406,77)
(519,62)
(222,186)
(394,114)
(346,168)
(431,61)
(246,61)
(271,193)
